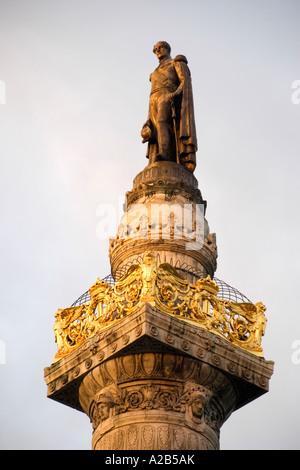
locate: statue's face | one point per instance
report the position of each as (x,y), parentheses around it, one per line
(160,51)
(197,407)
(103,409)
(149,258)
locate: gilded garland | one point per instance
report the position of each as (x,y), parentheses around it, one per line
(242,324)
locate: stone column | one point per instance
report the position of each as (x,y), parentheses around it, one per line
(155,382)
(154,401)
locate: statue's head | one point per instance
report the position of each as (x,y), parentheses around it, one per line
(105,402)
(162,49)
(149,257)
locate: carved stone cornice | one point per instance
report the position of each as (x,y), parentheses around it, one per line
(146,190)
(122,250)
(165,171)
(242,324)
(147,331)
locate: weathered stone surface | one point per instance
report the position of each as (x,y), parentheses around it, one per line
(165,213)
(158,172)
(175,381)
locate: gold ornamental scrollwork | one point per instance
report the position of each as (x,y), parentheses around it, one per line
(242,324)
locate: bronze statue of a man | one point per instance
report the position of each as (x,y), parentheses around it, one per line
(170,128)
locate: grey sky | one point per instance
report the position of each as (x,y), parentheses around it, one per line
(76,78)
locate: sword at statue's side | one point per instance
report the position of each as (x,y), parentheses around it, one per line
(175,130)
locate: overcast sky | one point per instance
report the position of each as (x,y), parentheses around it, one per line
(74,94)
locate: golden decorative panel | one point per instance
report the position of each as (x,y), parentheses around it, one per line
(242,324)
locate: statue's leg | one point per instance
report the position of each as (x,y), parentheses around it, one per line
(163,128)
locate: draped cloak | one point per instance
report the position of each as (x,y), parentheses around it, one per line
(185,119)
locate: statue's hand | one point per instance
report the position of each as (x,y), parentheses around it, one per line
(171,97)
(146,132)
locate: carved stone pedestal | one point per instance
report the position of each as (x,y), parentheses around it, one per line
(154,382)
(165,213)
